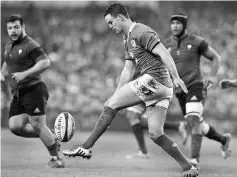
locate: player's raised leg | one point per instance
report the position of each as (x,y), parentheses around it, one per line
(122,98)
(224,139)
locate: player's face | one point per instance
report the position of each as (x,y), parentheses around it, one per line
(176,27)
(15,30)
(114,23)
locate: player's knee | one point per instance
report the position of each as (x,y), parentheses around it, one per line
(38,122)
(155,132)
(15,127)
(133,118)
(193,120)
(205,127)
(194,124)
(112,103)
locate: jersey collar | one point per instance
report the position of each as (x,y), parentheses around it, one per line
(131,28)
(181,37)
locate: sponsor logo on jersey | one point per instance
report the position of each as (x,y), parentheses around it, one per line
(189,46)
(194,98)
(174,145)
(36,110)
(19,51)
(133,43)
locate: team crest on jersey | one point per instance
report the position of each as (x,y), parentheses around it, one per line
(19,51)
(189,46)
(133,43)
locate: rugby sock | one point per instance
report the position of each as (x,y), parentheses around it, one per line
(171,125)
(169,146)
(53,150)
(196,146)
(101,125)
(139,135)
(48,139)
(213,134)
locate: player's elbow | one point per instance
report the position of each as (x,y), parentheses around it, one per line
(46,64)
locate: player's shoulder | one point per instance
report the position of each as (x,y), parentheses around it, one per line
(168,40)
(196,39)
(140,29)
(31,43)
(8,45)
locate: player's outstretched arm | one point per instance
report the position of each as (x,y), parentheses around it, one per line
(228,83)
(127,73)
(4,71)
(38,68)
(161,51)
(215,58)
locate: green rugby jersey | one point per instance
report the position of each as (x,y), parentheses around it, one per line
(20,57)
(139,44)
(186,52)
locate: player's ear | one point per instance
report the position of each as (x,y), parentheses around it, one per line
(121,17)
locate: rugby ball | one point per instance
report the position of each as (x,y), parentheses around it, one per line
(64,127)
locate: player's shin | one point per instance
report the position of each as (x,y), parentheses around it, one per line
(137,128)
(102,124)
(196,141)
(169,146)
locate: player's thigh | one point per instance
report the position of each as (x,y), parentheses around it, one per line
(195,103)
(34,99)
(17,116)
(156,117)
(123,98)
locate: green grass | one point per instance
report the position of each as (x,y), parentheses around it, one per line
(22,157)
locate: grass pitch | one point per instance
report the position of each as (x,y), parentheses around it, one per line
(21,157)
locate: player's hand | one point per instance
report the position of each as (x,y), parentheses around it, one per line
(225,83)
(179,83)
(208,84)
(19,76)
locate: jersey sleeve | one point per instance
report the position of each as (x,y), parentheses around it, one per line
(35,52)
(149,39)
(202,44)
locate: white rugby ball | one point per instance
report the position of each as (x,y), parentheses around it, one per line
(64,126)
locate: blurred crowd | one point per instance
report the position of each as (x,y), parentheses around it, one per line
(87,58)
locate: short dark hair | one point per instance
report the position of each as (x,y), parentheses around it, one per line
(15,17)
(115,9)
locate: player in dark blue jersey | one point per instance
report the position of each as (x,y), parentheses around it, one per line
(24,61)
(187,49)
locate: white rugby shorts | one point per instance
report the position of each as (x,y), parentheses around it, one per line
(151,91)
